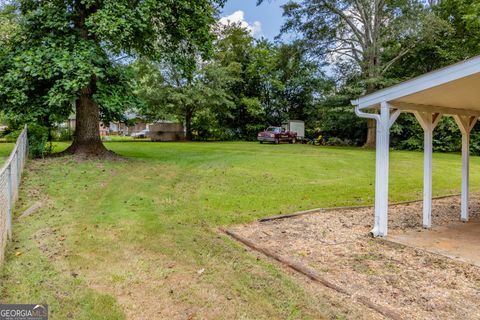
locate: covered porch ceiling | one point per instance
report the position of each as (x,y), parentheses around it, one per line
(453,90)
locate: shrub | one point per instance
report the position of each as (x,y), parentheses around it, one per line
(12,135)
(38,145)
(63,134)
(334,141)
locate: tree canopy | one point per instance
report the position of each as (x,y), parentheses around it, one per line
(67,56)
(246,85)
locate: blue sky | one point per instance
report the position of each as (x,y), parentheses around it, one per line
(264,20)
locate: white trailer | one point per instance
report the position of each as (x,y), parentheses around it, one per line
(297,126)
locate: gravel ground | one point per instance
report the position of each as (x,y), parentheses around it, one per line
(414,283)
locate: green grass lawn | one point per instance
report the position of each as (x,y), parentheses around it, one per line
(138,231)
(5,149)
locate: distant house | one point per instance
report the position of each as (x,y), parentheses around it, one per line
(133,124)
(167,131)
(162,130)
(71,122)
(118,128)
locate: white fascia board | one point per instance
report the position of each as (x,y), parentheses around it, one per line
(429,80)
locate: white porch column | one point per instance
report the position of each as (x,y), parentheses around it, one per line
(465,123)
(428,121)
(384,122)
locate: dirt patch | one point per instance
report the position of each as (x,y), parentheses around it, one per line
(337,246)
(152,286)
(50,242)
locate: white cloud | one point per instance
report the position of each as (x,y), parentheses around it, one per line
(238,17)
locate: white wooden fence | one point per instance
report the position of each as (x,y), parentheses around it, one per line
(10,177)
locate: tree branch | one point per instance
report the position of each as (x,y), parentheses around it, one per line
(398,57)
(348,21)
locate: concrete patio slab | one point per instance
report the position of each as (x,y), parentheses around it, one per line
(459,241)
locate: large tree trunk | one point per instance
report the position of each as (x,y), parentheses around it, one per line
(87,142)
(371,123)
(371,134)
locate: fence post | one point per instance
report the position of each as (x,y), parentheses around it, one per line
(10,200)
(26,142)
(14,176)
(19,175)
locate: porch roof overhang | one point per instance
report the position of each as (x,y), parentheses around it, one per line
(453,90)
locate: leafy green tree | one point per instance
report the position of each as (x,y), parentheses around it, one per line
(169,92)
(68,55)
(8,25)
(236,45)
(277,82)
(351,36)
(454,36)
(298,84)
(337,120)
(245,86)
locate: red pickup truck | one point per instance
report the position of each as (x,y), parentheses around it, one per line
(277,135)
